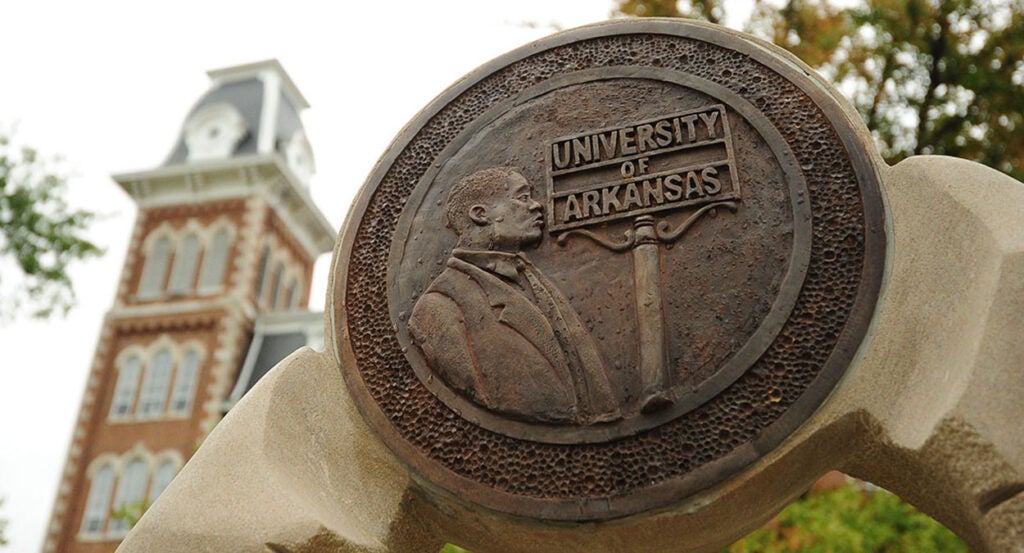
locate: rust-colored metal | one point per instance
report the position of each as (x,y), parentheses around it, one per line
(609,270)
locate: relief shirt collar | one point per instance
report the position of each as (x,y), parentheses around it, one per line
(503,264)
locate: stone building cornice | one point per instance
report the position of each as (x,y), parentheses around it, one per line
(266,175)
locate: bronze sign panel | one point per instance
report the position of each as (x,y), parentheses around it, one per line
(609,270)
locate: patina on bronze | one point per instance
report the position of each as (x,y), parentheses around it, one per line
(609,270)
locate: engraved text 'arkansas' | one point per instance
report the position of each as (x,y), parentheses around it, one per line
(681,160)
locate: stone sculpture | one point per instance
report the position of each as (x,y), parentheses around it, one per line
(727,293)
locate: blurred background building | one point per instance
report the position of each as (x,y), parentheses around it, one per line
(212,294)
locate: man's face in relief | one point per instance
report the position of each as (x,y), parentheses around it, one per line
(517,218)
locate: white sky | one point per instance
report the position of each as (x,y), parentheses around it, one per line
(107,84)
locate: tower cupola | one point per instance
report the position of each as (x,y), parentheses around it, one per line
(250,109)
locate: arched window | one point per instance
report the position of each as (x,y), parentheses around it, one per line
(161,478)
(127,386)
(183,273)
(261,276)
(98,504)
(157,379)
(185,383)
(275,285)
(151,284)
(131,492)
(289,294)
(215,261)
(296,293)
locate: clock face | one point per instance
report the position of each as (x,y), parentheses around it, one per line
(214,132)
(300,156)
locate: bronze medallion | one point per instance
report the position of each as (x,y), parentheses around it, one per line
(609,270)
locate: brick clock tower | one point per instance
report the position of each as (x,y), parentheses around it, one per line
(224,245)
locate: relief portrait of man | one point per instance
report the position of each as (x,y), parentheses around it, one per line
(493,327)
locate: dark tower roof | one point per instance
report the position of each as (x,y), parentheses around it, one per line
(249,109)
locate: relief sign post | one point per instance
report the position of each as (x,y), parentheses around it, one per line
(635,171)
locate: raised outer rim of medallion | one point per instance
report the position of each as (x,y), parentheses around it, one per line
(854,138)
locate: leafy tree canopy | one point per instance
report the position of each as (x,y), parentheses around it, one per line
(130,513)
(3,526)
(40,235)
(851,519)
(928,76)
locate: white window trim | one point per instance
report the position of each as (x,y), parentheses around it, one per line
(260,292)
(291,269)
(219,225)
(170,347)
(146,355)
(164,231)
(177,237)
(140,454)
(278,276)
(119,363)
(294,274)
(119,464)
(190,229)
(183,350)
(291,292)
(170,457)
(99,463)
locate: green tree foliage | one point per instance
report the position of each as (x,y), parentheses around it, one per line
(3,526)
(707,10)
(39,235)
(928,76)
(846,520)
(130,513)
(850,520)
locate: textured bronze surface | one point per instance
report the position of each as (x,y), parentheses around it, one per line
(609,270)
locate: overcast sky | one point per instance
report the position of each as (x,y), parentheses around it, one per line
(106,85)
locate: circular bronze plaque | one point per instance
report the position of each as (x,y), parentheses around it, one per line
(608,270)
